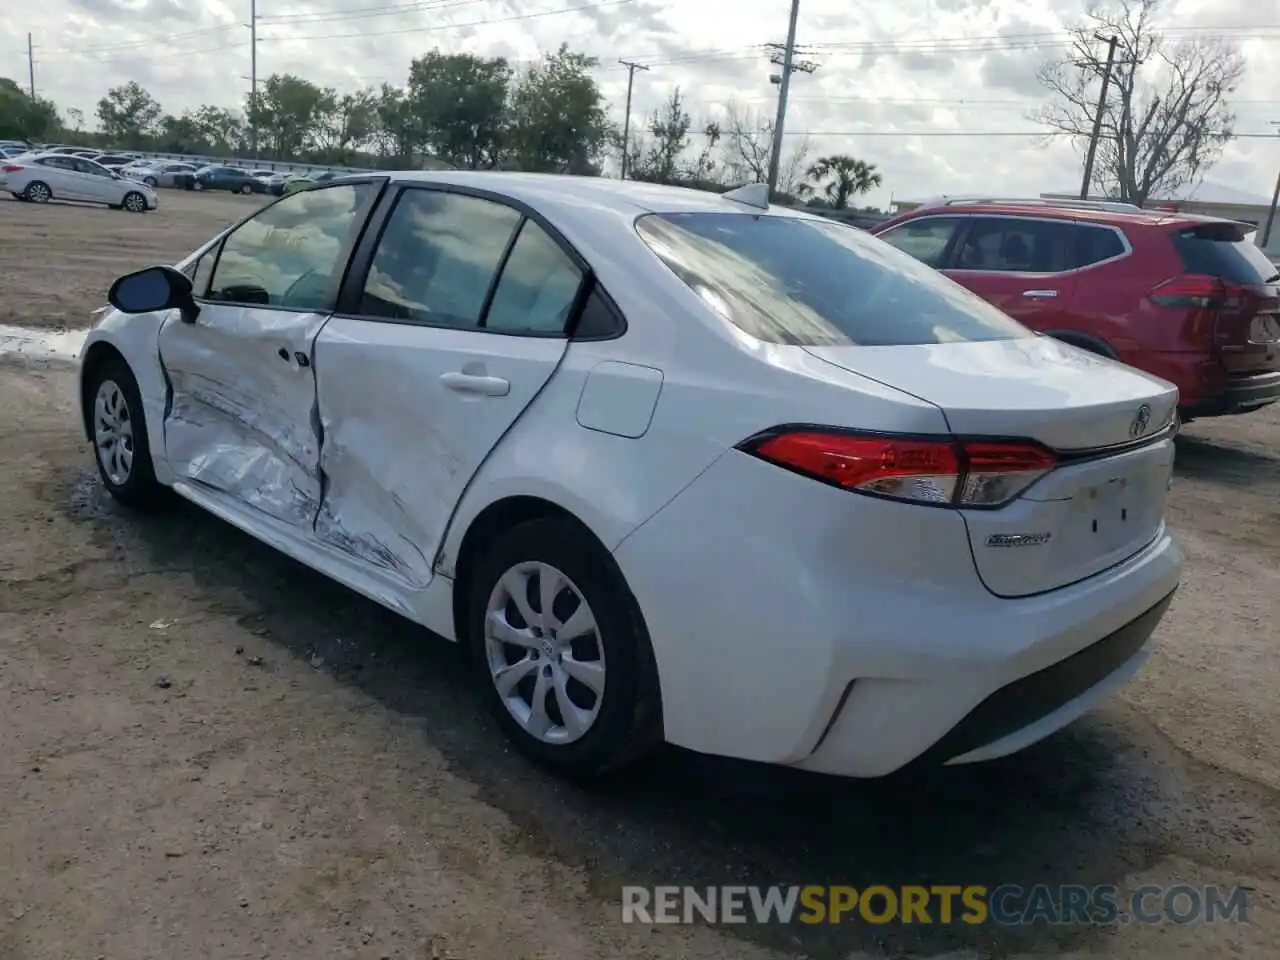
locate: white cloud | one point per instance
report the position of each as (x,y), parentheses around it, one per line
(889,73)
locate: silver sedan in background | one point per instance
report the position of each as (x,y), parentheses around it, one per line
(160,173)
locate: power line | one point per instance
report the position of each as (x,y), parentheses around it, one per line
(453,26)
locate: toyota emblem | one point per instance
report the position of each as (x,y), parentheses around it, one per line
(1140,422)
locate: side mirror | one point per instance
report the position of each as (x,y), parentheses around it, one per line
(152,289)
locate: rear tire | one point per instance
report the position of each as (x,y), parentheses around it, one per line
(122,450)
(587,726)
(197,185)
(246,188)
(151,181)
(38,192)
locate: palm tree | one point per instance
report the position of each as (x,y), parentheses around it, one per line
(842,177)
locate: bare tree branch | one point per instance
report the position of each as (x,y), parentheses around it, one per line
(1167,117)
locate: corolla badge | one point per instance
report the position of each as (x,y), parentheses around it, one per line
(1018,539)
(1141,421)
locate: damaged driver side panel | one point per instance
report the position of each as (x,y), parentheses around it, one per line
(242,417)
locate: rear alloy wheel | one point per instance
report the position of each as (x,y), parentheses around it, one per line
(38,192)
(151,181)
(246,188)
(135,202)
(121,449)
(197,185)
(562,651)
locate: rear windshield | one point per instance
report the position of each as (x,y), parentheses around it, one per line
(1226,251)
(814,283)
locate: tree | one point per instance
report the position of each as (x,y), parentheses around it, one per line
(21,117)
(840,178)
(660,160)
(459,101)
(1167,117)
(284,112)
(557,119)
(343,123)
(396,135)
(747,140)
(128,114)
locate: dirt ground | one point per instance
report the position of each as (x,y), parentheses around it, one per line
(207,751)
(58,260)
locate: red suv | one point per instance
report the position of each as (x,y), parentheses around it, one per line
(1190,299)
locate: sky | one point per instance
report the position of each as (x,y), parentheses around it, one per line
(935,93)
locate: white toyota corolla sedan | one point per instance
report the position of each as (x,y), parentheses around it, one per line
(673,465)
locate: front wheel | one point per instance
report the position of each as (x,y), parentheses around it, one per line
(197,185)
(135,202)
(119,431)
(561,650)
(246,188)
(151,181)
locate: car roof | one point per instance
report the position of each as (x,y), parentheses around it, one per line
(1049,211)
(573,195)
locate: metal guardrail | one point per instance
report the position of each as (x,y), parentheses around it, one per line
(278,166)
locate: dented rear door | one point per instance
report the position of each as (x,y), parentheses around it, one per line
(454,321)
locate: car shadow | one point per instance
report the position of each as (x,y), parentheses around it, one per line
(1086,807)
(1200,458)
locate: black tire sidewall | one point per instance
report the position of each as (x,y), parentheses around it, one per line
(624,728)
(142,488)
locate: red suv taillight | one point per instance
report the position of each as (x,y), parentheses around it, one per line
(939,471)
(1191,291)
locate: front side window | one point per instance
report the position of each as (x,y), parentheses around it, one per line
(807,282)
(926,239)
(437,258)
(288,255)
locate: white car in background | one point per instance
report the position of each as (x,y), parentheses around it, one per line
(158,173)
(39,178)
(673,465)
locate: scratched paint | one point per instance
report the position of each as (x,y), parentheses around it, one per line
(41,344)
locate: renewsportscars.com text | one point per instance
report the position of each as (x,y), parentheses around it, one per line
(1006,905)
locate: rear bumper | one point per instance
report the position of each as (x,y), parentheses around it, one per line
(811,627)
(1027,710)
(1241,395)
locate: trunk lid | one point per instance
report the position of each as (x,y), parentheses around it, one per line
(1106,499)
(1036,388)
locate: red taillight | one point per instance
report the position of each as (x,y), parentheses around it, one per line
(941,472)
(11,167)
(1190,291)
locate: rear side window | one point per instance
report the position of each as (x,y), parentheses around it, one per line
(813,283)
(1225,251)
(1090,245)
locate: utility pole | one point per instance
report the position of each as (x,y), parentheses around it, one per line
(1112,43)
(31,68)
(632,67)
(784,87)
(1275,200)
(253,75)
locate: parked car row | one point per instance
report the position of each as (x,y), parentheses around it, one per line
(1191,299)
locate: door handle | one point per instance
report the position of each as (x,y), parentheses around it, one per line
(474,383)
(1040,294)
